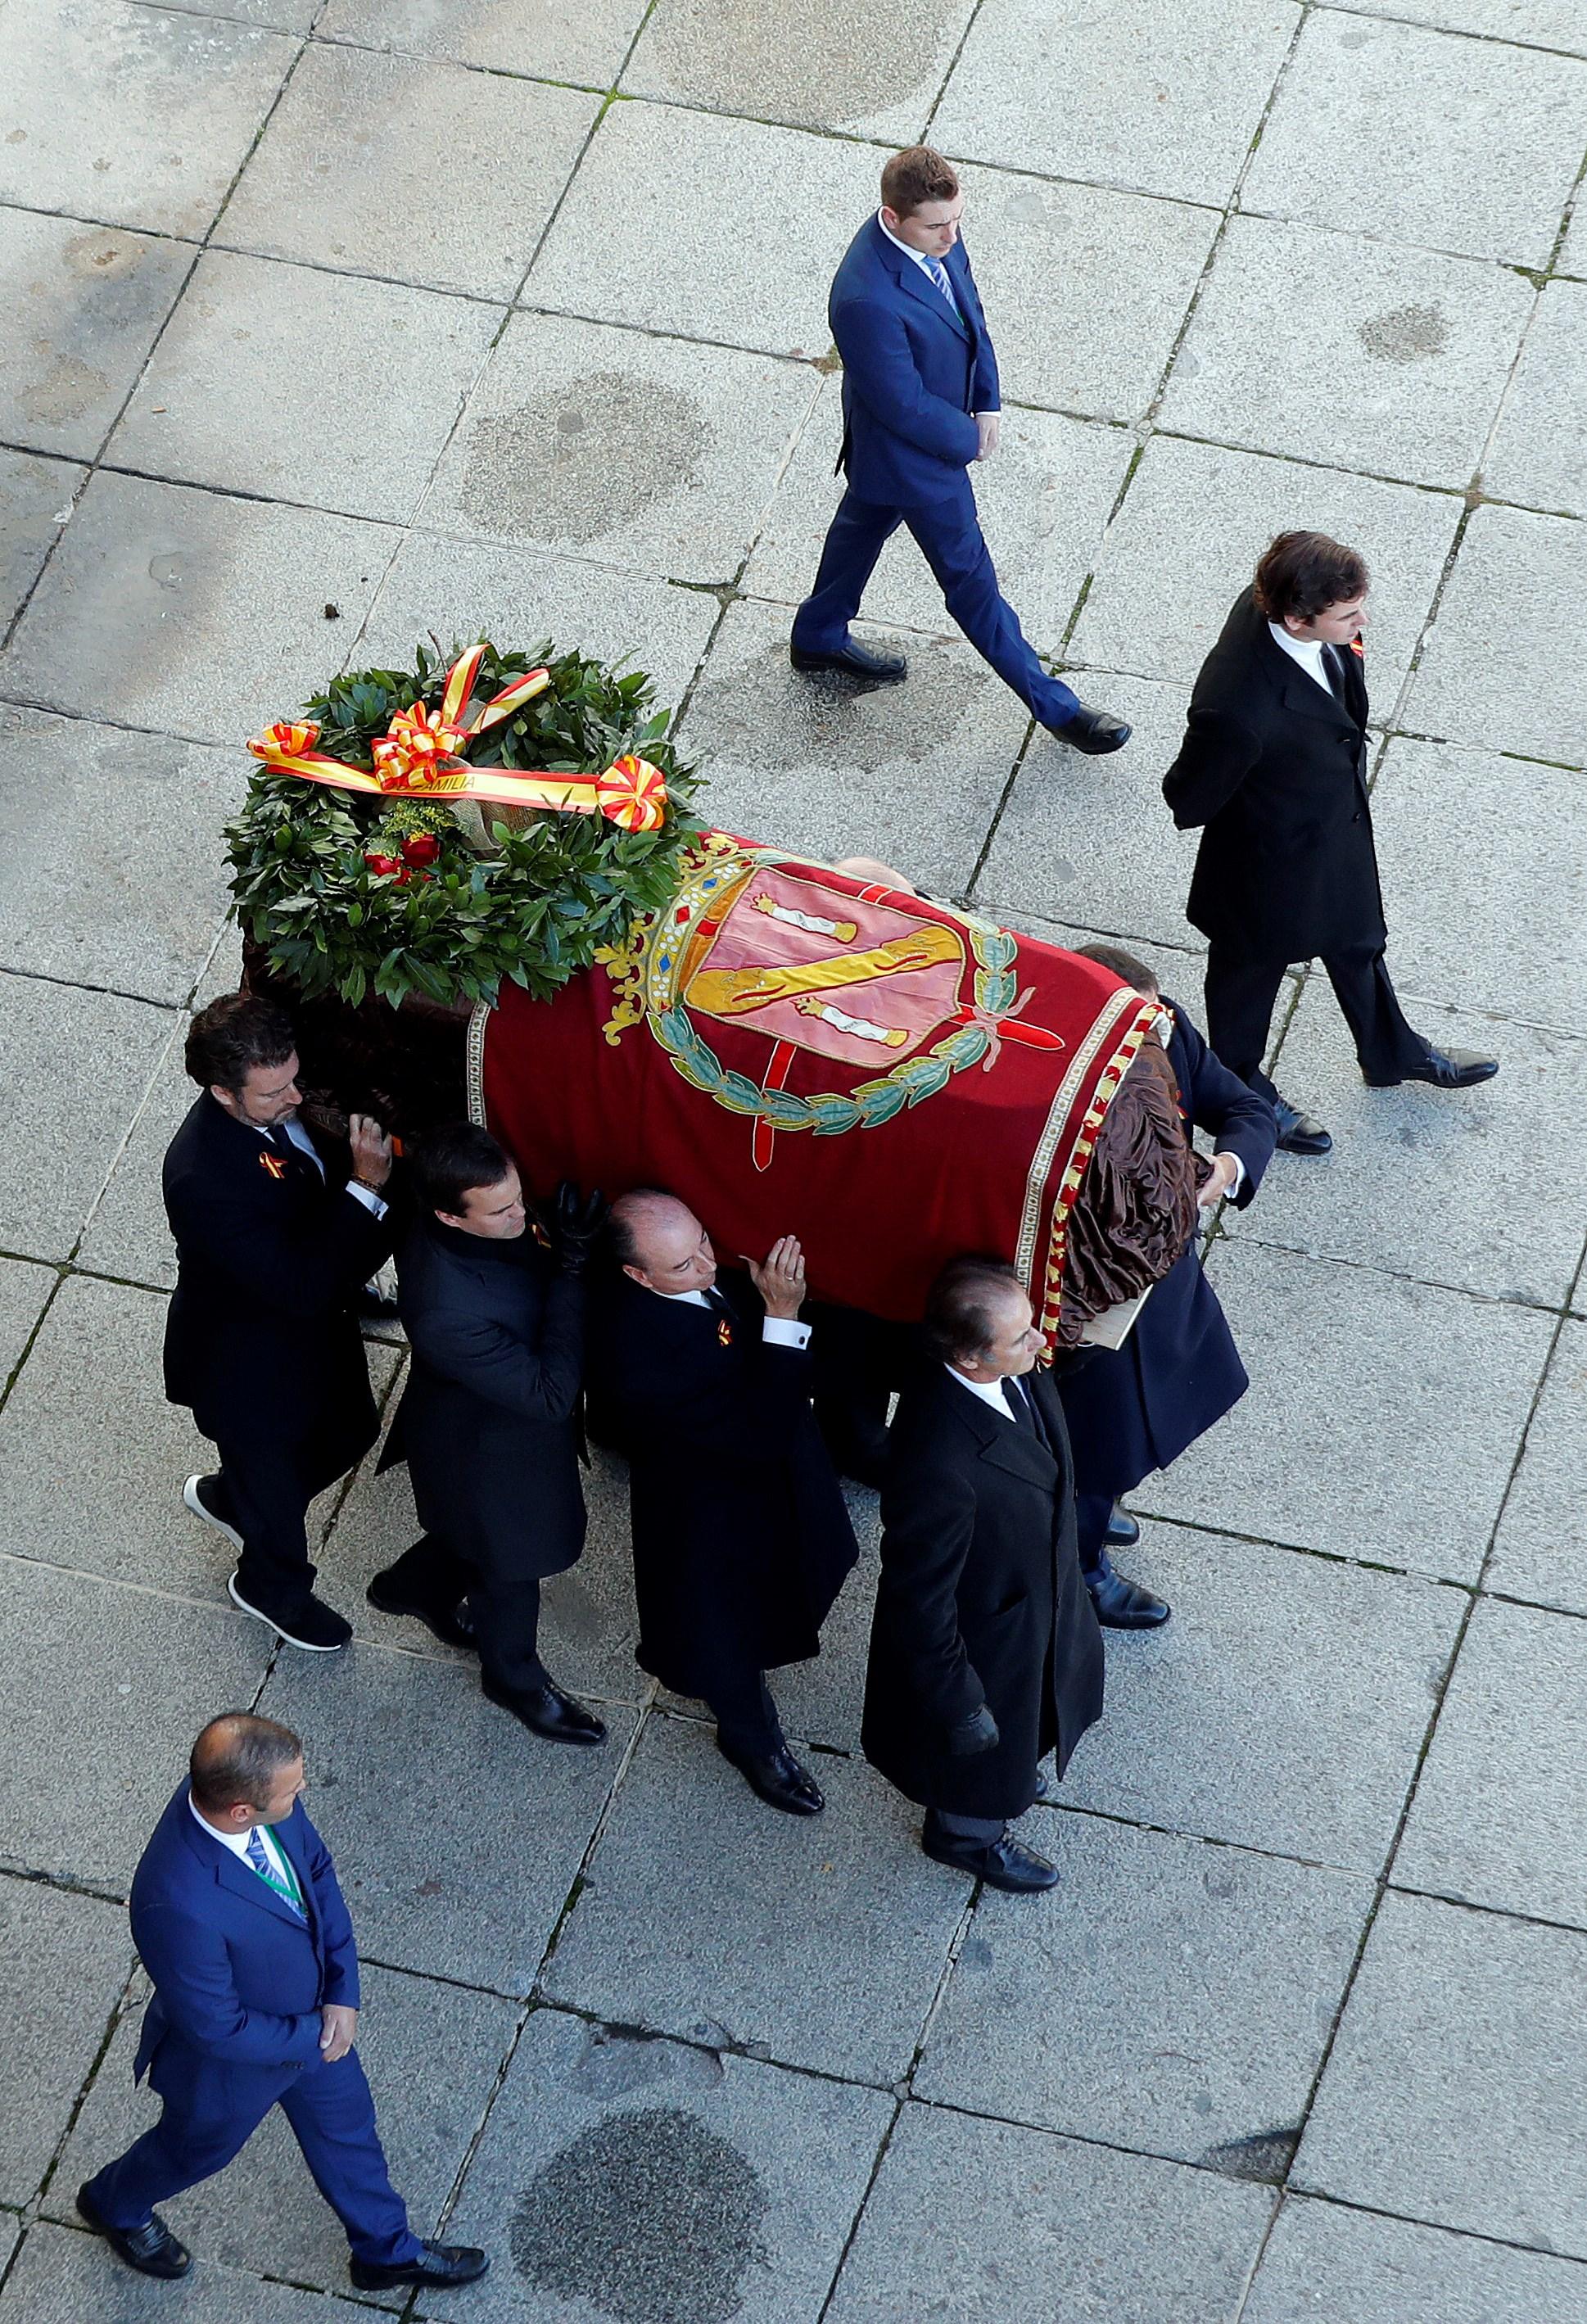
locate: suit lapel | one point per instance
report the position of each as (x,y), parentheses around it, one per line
(1004,1443)
(232,1874)
(915,284)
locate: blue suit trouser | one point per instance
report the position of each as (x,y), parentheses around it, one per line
(948,534)
(332,2114)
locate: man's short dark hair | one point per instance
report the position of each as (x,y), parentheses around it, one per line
(1121,964)
(237,1758)
(226,1040)
(917,175)
(1304,573)
(445,1162)
(962,1306)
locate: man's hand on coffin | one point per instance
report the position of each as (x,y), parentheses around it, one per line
(371,1150)
(972,1736)
(779,1278)
(576,1223)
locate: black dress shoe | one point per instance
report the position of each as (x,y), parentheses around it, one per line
(874,662)
(151,2249)
(1122,1604)
(778,1779)
(308,1622)
(202,1496)
(436,2263)
(1094,732)
(1005,1863)
(1297,1132)
(1122,1532)
(450,1624)
(547,1711)
(1449,1069)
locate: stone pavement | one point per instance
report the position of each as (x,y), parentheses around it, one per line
(332,322)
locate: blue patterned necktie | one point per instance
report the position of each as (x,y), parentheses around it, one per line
(270,1875)
(939,276)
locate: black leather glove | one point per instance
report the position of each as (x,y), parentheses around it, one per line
(972,1735)
(577,1220)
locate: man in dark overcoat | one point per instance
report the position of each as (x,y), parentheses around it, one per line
(742,1538)
(985,1652)
(488,1421)
(1134,1409)
(278,1228)
(1274,766)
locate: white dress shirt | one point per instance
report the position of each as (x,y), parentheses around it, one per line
(1308,651)
(779,1331)
(305,1145)
(990,1392)
(237,1841)
(924,264)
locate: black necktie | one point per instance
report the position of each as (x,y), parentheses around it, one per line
(1334,668)
(1018,1404)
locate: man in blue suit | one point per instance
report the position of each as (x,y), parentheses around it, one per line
(1135,1408)
(238,1918)
(920,401)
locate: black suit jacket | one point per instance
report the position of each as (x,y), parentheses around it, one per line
(262,1340)
(487,1422)
(742,1537)
(1135,1408)
(980,1601)
(1275,767)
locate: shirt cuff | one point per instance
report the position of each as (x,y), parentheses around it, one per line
(1239,1175)
(784,1332)
(369,1198)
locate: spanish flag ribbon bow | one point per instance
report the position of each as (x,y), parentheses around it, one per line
(421,756)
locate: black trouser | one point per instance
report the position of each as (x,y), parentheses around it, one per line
(1240,993)
(745,1715)
(265,1488)
(1092,1512)
(503,1601)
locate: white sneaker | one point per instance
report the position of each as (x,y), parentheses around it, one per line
(193,1500)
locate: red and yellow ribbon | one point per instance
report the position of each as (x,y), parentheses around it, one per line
(419,756)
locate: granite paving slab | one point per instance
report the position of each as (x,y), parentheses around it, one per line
(62,1112)
(457,1845)
(432,2052)
(1089,842)
(1500,666)
(1573,256)
(135,117)
(36,498)
(1148,97)
(1507,1774)
(1451,2096)
(1325,2264)
(64,1960)
(1044,499)
(1536,454)
(1478,1188)
(1086,290)
(540,37)
(918,766)
(128,1234)
(10,2230)
(93,301)
(191,613)
(128,895)
(24,1290)
(340,179)
(1544,23)
(1283,1706)
(155,1670)
(1541,1548)
(1457,935)
(64,2275)
(1410,1402)
(818,64)
(702,1910)
(638,452)
(703,256)
(215,408)
(1186,540)
(1416,348)
(1169,1996)
(971,2220)
(459,590)
(624,2177)
(1485,137)
(821,1702)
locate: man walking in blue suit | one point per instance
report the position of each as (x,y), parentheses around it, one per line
(920,401)
(238,1918)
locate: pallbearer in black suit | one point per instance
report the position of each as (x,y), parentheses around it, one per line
(1274,765)
(1135,1408)
(741,1535)
(277,1229)
(487,1424)
(985,1652)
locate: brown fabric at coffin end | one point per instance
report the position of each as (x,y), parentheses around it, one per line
(1135,1214)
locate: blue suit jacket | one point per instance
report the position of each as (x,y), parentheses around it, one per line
(914,372)
(239,1981)
(1135,1408)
